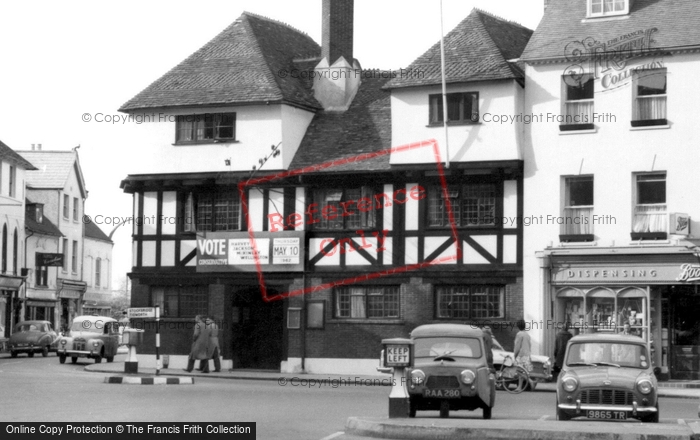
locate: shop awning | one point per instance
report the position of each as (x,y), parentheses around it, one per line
(9,282)
(73,289)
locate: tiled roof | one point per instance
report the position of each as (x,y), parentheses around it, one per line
(7,154)
(46,227)
(565,22)
(478,49)
(93,231)
(241,65)
(52,168)
(364,128)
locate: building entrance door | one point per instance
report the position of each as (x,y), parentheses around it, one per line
(257,330)
(685,337)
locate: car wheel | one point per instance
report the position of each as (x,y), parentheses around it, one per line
(74,359)
(110,358)
(62,358)
(98,359)
(45,351)
(30,354)
(561,415)
(487,413)
(444,409)
(13,353)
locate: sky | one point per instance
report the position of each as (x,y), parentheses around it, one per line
(61,60)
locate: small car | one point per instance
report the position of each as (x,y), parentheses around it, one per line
(541,365)
(32,337)
(449,371)
(93,337)
(607,377)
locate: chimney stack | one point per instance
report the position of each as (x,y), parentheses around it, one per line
(337,30)
(38,147)
(338,74)
(33,147)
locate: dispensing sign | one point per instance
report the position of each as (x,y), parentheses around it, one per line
(398,352)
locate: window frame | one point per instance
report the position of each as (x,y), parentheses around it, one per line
(75,209)
(199,128)
(74,257)
(192,211)
(42,274)
(65,255)
(12,190)
(584,230)
(662,233)
(603,13)
(178,292)
(587,104)
(636,120)
(389,295)
(367,218)
(98,272)
(463,202)
(435,109)
(470,291)
(66,206)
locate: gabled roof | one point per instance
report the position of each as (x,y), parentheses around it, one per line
(364,128)
(565,22)
(93,231)
(7,154)
(478,49)
(53,169)
(241,65)
(46,227)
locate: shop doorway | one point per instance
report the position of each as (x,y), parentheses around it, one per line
(257,330)
(685,334)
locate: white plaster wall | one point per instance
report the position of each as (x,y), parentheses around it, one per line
(487,140)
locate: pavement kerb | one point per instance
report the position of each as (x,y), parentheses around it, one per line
(477,429)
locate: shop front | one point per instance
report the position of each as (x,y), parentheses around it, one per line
(70,294)
(11,302)
(651,293)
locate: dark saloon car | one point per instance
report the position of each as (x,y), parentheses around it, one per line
(607,377)
(449,370)
(93,337)
(32,337)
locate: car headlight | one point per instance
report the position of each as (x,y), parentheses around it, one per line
(645,386)
(95,344)
(467,377)
(417,377)
(570,384)
(63,342)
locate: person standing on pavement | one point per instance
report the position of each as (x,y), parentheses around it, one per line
(522,347)
(562,338)
(200,345)
(213,348)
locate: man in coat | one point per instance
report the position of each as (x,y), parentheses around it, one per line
(213,348)
(560,342)
(200,344)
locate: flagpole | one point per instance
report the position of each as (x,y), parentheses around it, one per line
(444,89)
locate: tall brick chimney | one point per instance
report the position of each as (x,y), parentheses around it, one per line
(336,30)
(338,74)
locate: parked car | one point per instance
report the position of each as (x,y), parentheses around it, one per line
(541,365)
(450,371)
(94,337)
(607,376)
(32,337)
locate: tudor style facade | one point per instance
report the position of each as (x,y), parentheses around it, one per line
(353,236)
(614,239)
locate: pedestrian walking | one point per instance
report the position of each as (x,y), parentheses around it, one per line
(560,341)
(213,348)
(522,347)
(200,345)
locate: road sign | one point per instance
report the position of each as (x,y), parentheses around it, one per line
(141,312)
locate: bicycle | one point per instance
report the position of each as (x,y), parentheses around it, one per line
(512,378)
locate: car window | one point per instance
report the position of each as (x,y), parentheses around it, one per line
(618,353)
(87,326)
(448,347)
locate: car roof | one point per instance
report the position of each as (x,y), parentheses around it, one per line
(93,318)
(607,337)
(461,330)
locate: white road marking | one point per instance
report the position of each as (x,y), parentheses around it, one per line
(543,418)
(337,434)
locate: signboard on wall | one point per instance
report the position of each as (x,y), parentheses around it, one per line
(281,251)
(49,259)
(679,224)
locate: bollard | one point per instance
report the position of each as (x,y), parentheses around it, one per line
(132,338)
(398,355)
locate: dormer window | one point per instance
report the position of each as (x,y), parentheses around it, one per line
(205,128)
(604,8)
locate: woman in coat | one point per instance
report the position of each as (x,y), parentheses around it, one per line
(200,344)
(213,348)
